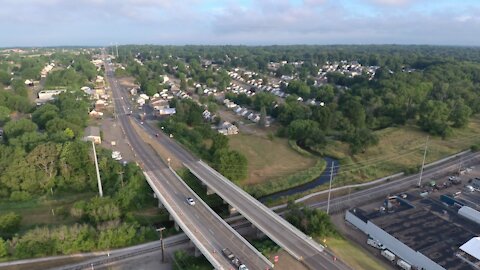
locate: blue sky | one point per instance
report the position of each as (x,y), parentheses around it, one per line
(250,22)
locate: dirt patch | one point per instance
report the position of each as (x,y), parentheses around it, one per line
(128,82)
(114,139)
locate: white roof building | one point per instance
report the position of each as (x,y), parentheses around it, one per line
(472,247)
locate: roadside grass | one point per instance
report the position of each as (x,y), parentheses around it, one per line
(288,181)
(352,254)
(268,159)
(399,149)
(38,211)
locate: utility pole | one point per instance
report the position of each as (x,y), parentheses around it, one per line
(120,173)
(100,189)
(423,163)
(330,188)
(161,242)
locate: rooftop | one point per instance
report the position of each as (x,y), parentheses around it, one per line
(427,226)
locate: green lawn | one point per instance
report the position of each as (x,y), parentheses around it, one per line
(399,148)
(274,164)
(353,255)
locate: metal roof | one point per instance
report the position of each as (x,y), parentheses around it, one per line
(472,247)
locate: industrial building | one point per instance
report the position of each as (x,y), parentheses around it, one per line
(426,233)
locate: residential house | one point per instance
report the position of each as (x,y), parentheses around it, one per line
(93,134)
(227,128)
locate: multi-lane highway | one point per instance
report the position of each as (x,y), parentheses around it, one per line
(298,244)
(204,227)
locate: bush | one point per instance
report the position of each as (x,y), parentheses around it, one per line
(9,224)
(19,196)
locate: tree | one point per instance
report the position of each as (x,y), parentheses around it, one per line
(9,224)
(44,114)
(434,116)
(263,117)
(3,248)
(231,164)
(460,114)
(16,128)
(305,132)
(4,115)
(183,84)
(45,157)
(361,139)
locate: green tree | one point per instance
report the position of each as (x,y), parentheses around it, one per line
(16,128)
(460,114)
(44,114)
(3,248)
(9,223)
(4,115)
(434,116)
(231,164)
(263,117)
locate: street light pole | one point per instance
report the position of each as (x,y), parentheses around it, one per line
(423,163)
(161,242)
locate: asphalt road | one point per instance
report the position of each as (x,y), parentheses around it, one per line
(207,227)
(299,245)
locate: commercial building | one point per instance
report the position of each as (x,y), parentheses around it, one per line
(423,232)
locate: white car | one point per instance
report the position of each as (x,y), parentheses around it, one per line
(190,201)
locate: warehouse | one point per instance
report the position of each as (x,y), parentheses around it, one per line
(422,233)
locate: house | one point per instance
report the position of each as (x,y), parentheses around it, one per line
(227,128)
(96,114)
(237,110)
(255,118)
(100,105)
(133,91)
(92,134)
(29,82)
(159,103)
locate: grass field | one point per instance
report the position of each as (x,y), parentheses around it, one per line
(273,164)
(399,148)
(353,255)
(268,159)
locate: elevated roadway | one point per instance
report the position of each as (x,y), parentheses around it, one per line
(205,228)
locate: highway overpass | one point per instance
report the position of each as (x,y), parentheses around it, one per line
(205,228)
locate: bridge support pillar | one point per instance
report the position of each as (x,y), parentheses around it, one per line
(160,204)
(258,233)
(177,228)
(210,191)
(232,210)
(197,252)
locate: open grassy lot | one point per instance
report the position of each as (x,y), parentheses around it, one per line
(399,148)
(268,159)
(354,256)
(38,211)
(274,165)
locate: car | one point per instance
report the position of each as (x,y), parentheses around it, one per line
(157,135)
(242,267)
(141,123)
(190,201)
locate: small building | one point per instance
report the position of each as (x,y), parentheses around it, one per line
(167,111)
(227,128)
(49,94)
(100,105)
(92,134)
